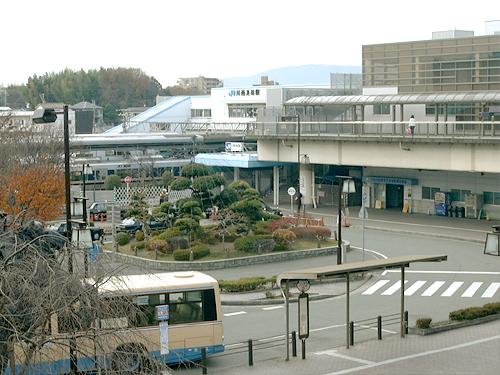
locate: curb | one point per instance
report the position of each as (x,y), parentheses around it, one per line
(265,302)
(452,325)
(427,234)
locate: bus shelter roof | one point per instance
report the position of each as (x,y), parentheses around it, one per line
(370,265)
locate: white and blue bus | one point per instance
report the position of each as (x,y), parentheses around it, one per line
(129,342)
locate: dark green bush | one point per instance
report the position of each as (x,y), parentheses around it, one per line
(199,251)
(261,227)
(122,238)
(423,323)
(169,233)
(254,244)
(181,183)
(492,308)
(245,244)
(280,247)
(243,284)
(175,243)
(469,313)
(139,235)
(112,181)
(195,170)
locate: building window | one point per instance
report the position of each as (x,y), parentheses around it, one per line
(429,192)
(381,109)
(491,197)
(196,113)
(458,195)
(244,110)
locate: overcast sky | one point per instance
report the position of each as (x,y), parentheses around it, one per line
(169,39)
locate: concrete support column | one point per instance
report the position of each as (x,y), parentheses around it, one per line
(306,181)
(276,186)
(236,174)
(256,179)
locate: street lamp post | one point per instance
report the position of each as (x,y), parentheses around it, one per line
(86,170)
(346,185)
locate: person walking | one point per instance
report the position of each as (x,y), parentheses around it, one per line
(298,199)
(411,125)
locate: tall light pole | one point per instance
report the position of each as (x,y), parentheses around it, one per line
(350,183)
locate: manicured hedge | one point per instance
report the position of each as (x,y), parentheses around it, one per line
(169,233)
(475,312)
(423,323)
(122,238)
(139,235)
(243,285)
(199,251)
(252,244)
(139,245)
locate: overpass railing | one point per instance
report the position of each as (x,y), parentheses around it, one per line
(475,129)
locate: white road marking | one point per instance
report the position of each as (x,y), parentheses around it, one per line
(416,355)
(416,286)
(450,272)
(491,290)
(235,313)
(327,327)
(370,251)
(433,288)
(379,284)
(472,289)
(374,328)
(452,289)
(271,338)
(272,308)
(393,289)
(334,353)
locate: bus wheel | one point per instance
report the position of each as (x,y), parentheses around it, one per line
(129,359)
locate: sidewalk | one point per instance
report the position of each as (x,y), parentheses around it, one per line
(395,221)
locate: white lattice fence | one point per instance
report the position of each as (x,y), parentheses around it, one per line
(151,194)
(175,195)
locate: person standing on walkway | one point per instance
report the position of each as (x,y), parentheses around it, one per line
(411,125)
(298,198)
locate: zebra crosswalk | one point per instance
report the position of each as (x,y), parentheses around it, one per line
(387,287)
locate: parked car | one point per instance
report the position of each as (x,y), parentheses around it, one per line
(97,208)
(96,233)
(132,226)
(274,211)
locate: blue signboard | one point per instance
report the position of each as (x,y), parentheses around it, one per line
(162,312)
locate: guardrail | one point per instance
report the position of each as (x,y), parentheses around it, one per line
(376,323)
(442,129)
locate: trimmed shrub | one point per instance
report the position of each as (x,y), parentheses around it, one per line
(243,284)
(312,233)
(475,312)
(261,227)
(175,243)
(195,170)
(423,323)
(280,247)
(122,238)
(167,177)
(245,244)
(169,233)
(139,235)
(186,224)
(226,197)
(284,237)
(139,245)
(181,183)
(240,186)
(199,251)
(156,244)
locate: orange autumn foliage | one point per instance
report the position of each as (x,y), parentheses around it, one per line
(35,192)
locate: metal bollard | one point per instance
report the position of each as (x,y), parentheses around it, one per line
(203,360)
(303,349)
(379,327)
(294,344)
(250,352)
(406,322)
(351,332)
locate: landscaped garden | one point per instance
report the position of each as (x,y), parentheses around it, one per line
(216,222)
